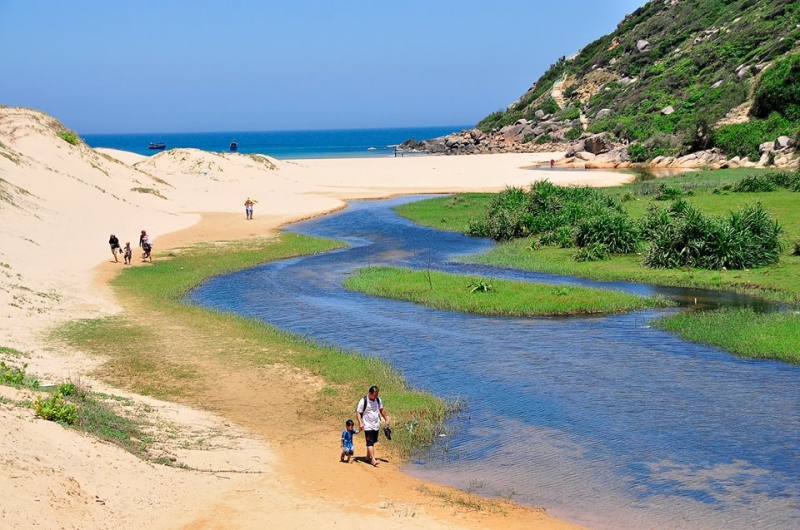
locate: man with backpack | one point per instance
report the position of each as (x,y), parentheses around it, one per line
(369,412)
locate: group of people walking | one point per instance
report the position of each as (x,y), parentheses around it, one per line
(144,242)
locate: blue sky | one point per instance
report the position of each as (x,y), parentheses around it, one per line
(121,66)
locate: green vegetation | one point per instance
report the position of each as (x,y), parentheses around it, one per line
(454,292)
(680,236)
(703,58)
(778,90)
(709,194)
(741,331)
(70,137)
(16,376)
(179,361)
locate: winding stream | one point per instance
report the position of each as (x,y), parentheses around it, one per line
(604,421)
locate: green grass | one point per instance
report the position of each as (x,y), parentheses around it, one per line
(164,362)
(778,282)
(741,331)
(493,297)
(447,213)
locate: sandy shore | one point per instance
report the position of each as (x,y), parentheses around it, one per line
(58,205)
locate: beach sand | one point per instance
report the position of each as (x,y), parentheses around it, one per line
(58,205)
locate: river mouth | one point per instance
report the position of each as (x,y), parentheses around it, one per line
(604,421)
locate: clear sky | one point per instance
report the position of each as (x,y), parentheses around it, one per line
(117,66)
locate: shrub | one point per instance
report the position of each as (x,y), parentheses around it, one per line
(562,237)
(55,408)
(684,237)
(544,139)
(593,252)
(755,183)
(616,231)
(638,153)
(668,193)
(70,137)
(796,251)
(515,213)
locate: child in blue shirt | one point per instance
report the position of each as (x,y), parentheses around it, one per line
(347,441)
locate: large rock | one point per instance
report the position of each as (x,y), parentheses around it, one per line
(666,111)
(602,113)
(610,160)
(597,144)
(783,142)
(642,45)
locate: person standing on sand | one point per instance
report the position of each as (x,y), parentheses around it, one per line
(248,207)
(128,253)
(114,243)
(369,411)
(347,441)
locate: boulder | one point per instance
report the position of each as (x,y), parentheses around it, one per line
(642,45)
(666,111)
(602,113)
(717,84)
(598,144)
(766,147)
(783,142)
(539,114)
(585,156)
(609,160)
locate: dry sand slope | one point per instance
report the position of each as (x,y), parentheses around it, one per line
(58,205)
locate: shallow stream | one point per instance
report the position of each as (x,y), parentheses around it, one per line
(604,421)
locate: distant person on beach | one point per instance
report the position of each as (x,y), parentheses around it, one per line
(369,410)
(248,207)
(347,441)
(147,245)
(552,163)
(114,243)
(128,253)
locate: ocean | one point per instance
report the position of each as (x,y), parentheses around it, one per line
(339,143)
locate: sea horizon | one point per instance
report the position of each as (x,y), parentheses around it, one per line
(298,144)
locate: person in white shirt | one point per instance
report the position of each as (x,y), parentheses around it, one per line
(369,411)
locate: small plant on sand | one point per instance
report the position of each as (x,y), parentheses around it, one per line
(56,408)
(70,137)
(15,376)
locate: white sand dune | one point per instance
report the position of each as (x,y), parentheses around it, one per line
(58,205)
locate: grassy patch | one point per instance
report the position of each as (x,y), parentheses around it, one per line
(741,331)
(151,191)
(711,192)
(157,348)
(495,297)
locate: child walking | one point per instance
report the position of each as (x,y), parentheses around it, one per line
(347,441)
(128,253)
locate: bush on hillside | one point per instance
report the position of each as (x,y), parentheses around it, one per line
(778,90)
(743,139)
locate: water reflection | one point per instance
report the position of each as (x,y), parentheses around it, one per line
(602,420)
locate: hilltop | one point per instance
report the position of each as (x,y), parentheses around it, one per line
(676,77)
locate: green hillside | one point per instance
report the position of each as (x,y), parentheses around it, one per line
(678,76)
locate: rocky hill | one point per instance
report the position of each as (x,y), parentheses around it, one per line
(676,77)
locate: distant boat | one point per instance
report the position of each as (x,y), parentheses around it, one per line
(157,145)
(372,149)
(234,146)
